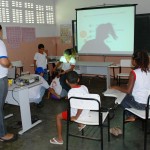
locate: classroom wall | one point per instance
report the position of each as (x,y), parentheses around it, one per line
(65,13)
(25,52)
(66,8)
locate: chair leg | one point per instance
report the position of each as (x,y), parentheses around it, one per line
(114,73)
(67,136)
(108,120)
(118,80)
(124,123)
(82,132)
(145,134)
(101,131)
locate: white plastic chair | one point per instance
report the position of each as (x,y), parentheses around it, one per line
(142,114)
(95,118)
(124,63)
(19,64)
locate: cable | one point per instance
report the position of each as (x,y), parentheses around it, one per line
(13,95)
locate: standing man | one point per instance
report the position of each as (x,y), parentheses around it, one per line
(4,65)
(40,60)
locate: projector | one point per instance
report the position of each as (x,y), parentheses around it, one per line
(27,79)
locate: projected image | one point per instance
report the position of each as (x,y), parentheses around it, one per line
(103,31)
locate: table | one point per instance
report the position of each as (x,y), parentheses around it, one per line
(113,66)
(98,68)
(19,95)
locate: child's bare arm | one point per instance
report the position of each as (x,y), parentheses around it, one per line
(49,93)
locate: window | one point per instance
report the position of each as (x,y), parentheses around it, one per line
(29,12)
(49,15)
(4,11)
(17,12)
(40,14)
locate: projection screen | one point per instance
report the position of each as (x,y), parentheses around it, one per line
(105,30)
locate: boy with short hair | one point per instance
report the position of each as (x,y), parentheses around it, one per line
(40,60)
(72,81)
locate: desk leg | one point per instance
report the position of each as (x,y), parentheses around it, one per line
(25,111)
(108,78)
(114,73)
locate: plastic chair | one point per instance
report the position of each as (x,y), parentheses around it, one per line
(96,116)
(19,64)
(142,114)
(124,63)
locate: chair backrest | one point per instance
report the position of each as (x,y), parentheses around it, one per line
(17,63)
(85,101)
(125,63)
(12,73)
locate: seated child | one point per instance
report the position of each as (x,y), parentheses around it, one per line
(72,81)
(55,89)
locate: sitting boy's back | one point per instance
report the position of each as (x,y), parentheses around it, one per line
(72,81)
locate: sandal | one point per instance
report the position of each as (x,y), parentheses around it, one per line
(115,131)
(130,119)
(55,141)
(82,127)
(5,139)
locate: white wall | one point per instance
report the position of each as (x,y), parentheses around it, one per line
(65,13)
(65,9)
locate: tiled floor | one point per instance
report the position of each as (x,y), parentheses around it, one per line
(38,137)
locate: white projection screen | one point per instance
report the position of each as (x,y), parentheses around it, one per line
(105,30)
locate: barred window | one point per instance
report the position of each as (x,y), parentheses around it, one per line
(17,12)
(4,11)
(40,14)
(29,12)
(49,15)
